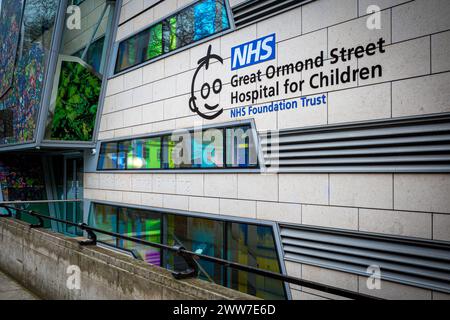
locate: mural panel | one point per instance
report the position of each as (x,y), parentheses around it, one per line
(10,20)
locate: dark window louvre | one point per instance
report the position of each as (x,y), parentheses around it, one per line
(419,263)
(253,10)
(402,145)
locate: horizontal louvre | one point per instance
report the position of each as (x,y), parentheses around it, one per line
(413,145)
(424,264)
(253,10)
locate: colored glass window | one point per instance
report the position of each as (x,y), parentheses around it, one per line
(143,225)
(168,153)
(194,23)
(94,54)
(239,142)
(122,155)
(153,153)
(248,244)
(203,236)
(254,246)
(144,153)
(105,218)
(207,150)
(187,150)
(108,156)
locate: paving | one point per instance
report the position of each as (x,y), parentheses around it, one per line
(11,290)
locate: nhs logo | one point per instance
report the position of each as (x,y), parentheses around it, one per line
(253,52)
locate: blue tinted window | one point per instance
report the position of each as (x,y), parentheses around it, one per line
(207,149)
(196,22)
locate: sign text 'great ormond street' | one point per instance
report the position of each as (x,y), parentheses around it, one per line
(274,82)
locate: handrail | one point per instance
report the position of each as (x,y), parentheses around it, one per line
(189,257)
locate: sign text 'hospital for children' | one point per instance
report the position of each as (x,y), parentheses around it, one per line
(316,73)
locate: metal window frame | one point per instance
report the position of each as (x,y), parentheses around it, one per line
(89,204)
(249,122)
(112,65)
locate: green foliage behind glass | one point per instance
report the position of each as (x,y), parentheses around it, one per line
(76,103)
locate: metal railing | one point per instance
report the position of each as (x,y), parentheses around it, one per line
(188,256)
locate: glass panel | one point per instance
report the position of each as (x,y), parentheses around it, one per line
(10,20)
(144,154)
(105,218)
(94,54)
(74,190)
(23,100)
(135,157)
(75,109)
(144,225)
(22,178)
(79,73)
(152,153)
(108,156)
(194,23)
(122,158)
(254,246)
(207,149)
(241,150)
(203,236)
(168,152)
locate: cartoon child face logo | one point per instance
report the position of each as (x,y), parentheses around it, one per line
(207,100)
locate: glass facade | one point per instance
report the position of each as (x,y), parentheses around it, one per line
(254,246)
(20,104)
(196,22)
(78,77)
(203,236)
(22,178)
(244,243)
(26,177)
(217,148)
(142,225)
(10,20)
(132,223)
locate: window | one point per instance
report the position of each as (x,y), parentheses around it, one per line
(195,149)
(254,246)
(108,156)
(194,23)
(203,236)
(239,143)
(105,218)
(244,243)
(79,74)
(129,222)
(143,225)
(22,178)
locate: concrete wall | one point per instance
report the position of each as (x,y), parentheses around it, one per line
(416,82)
(39,259)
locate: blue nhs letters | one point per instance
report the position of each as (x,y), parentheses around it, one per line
(253,52)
